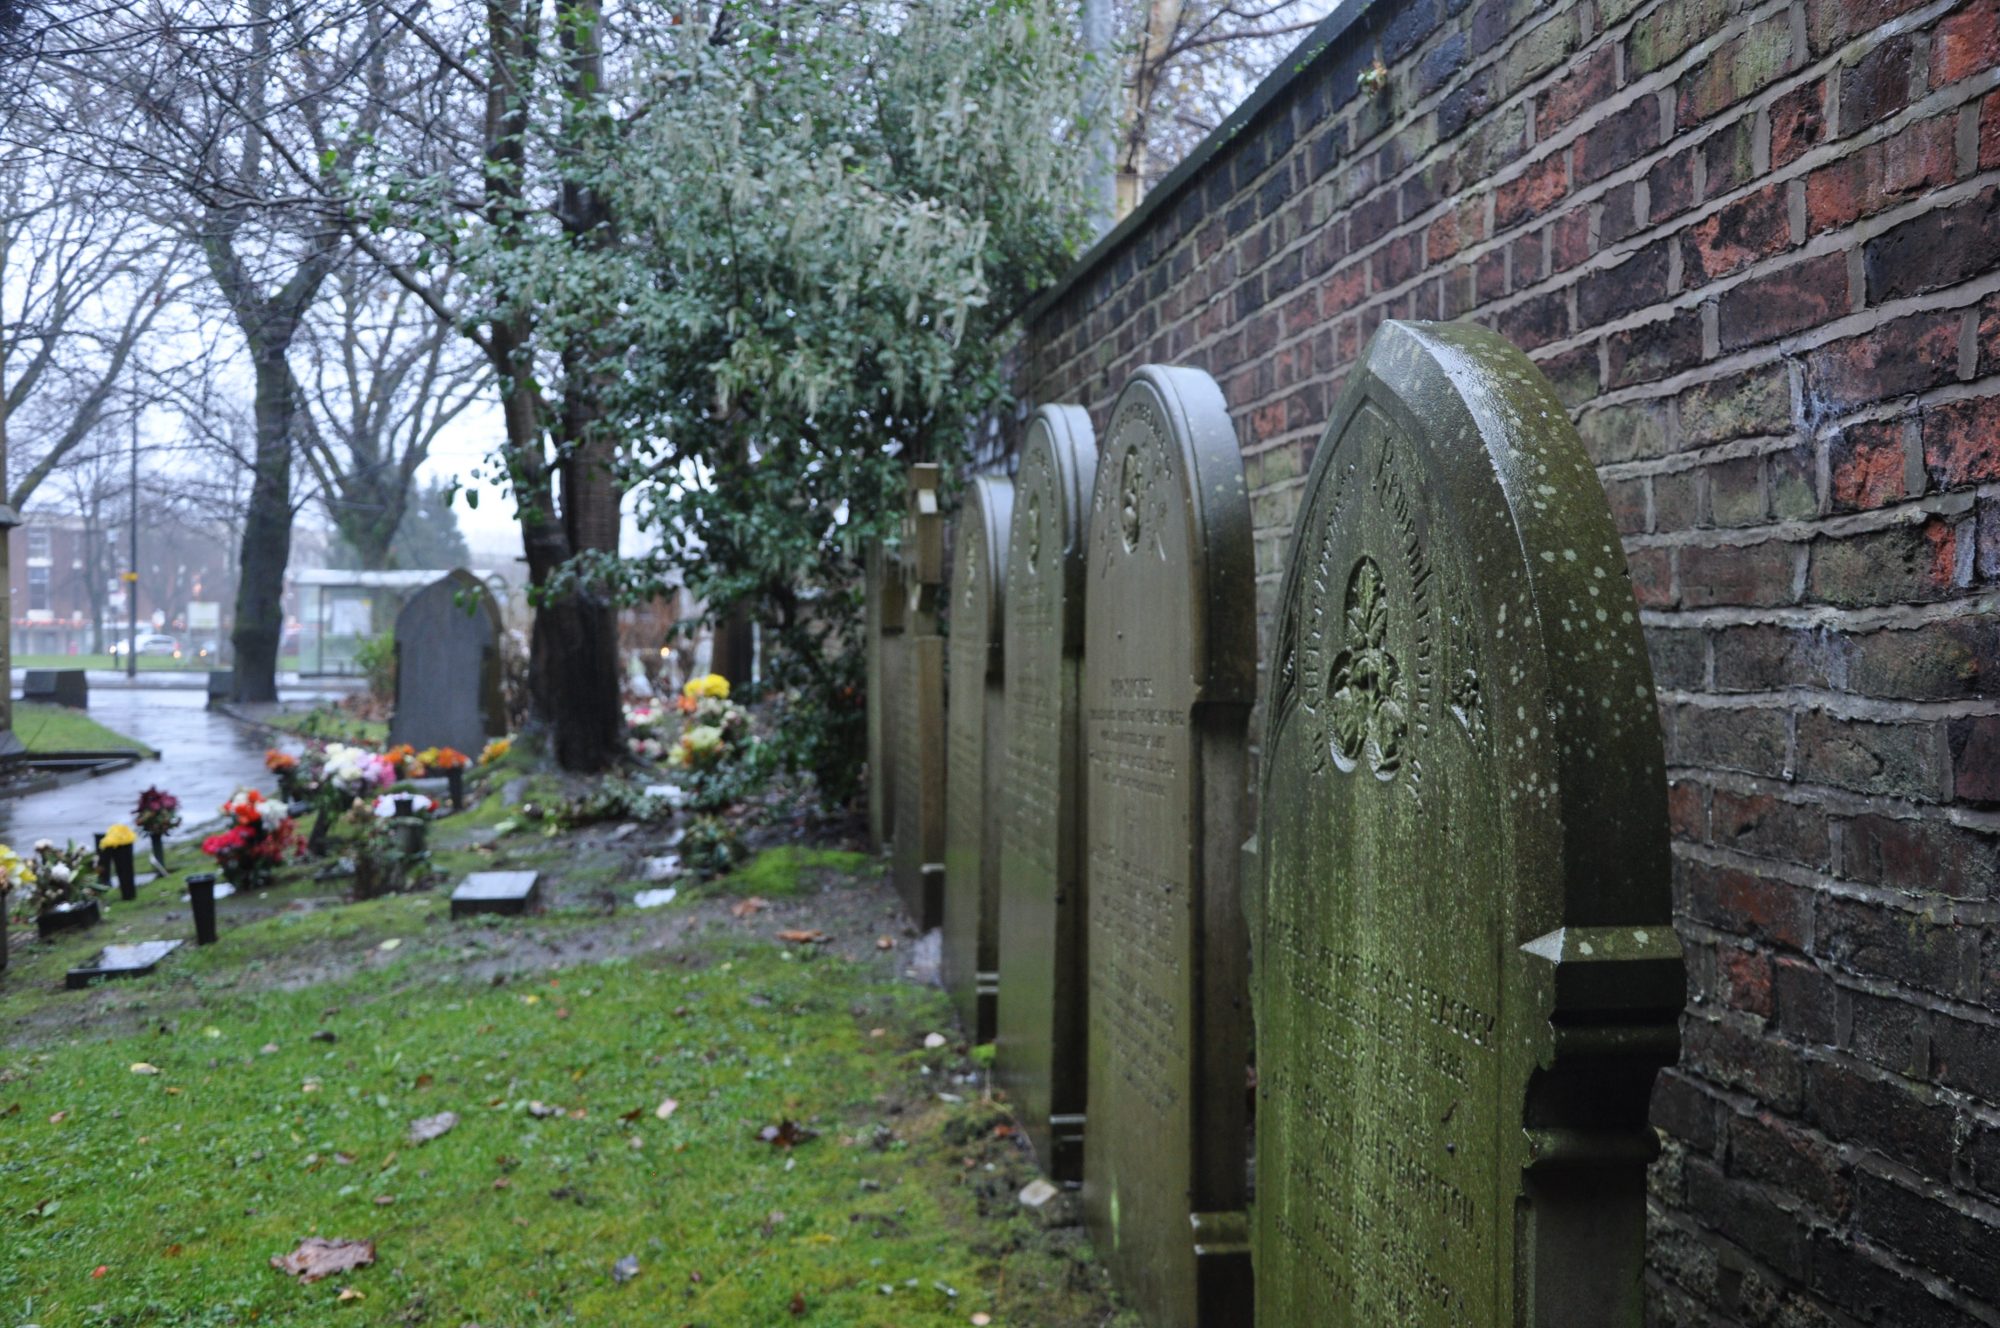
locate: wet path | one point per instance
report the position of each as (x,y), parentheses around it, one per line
(204,757)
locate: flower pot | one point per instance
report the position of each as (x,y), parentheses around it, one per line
(454,779)
(201,898)
(67,917)
(411,835)
(159,853)
(119,861)
(322,825)
(406,804)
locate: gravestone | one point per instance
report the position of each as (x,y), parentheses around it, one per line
(1170,641)
(916,690)
(1466,976)
(511,892)
(132,960)
(1039,1024)
(448,667)
(975,711)
(883,638)
(69,688)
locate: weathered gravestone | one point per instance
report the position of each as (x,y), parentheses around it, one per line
(1465,972)
(882,641)
(509,892)
(1170,644)
(1040,1018)
(917,730)
(448,666)
(976,754)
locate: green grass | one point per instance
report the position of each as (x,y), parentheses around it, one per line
(786,870)
(53,728)
(334,725)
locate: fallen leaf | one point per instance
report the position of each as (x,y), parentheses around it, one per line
(423,1081)
(317,1257)
(100,1270)
(140,1067)
(349,1293)
(391,943)
(59,1118)
(542,1110)
(426,1128)
(799,936)
(885,942)
(798,1303)
(384,1200)
(502,1183)
(634,1114)
(172,1251)
(625,1269)
(172,1091)
(743,908)
(786,1133)
(326,1035)
(268,1049)
(981,1319)
(666,1108)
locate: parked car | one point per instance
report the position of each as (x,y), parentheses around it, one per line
(209,650)
(150,643)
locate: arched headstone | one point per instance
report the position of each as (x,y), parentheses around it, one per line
(1040,1022)
(973,780)
(918,694)
(1170,643)
(883,643)
(448,666)
(1466,975)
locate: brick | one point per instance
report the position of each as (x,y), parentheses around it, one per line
(1790,300)
(1542,49)
(1628,504)
(1535,321)
(1671,184)
(1736,492)
(1729,157)
(1622,214)
(1568,239)
(1877,942)
(1638,281)
(1579,90)
(1875,86)
(1619,140)
(1903,355)
(1798,122)
(1989,131)
(1574,374)
(1713,738)
(1871,1110)
(1654,350)
(1682,1109)
(1755,226)
(1527,254)
(1940,661)
(1663,34)
(1679,658)
(1967,1055)
(1531,193)
(1889,759)
(1955,1243)
(1765,1148)
(1901,564)
(1762,1067)
(1652,577)
(1676,501)
(1865,467)
(1757,401)
(1743,980)
(1921,855)
(1759,575)
(1849,1273)
(1829,23)
(1762,658)
(1966,41)
(1940,248)
(1962,442)
(1735,70)
(1975,759)
(1440,63)
(1766,826)
(1890,1032)
(1792,477)
(1807,1000)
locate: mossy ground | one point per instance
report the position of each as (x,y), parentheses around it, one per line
(131,1198)
(54,728)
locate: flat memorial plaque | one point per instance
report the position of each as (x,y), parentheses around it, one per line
(496,892)
(917,689)
(1466,972)
(1040,1014)
(1170,637)
(975,707)
(120,961)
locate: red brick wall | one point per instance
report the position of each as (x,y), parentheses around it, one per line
(1757,246)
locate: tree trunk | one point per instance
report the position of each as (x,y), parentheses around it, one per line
(267,535)
(572,661)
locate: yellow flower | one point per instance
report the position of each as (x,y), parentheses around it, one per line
(495,750)
(712,685)
(118,836)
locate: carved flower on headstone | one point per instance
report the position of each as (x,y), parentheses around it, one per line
(1129,499)
(1366,693)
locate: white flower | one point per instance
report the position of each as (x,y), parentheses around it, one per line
(44,845)
(61,874)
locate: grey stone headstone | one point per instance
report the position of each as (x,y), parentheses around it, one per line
(1466,975)
(1170,644)
(496,892)
(916,689)
(120,961)
(448,667)
(976,752)
(63,687)
(1040,1019)
(882,634)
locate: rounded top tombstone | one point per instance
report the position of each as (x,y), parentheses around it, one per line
(448,666)
(1466,974)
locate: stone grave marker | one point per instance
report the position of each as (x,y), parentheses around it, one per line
(1466,975)
(1040,1016)
(448,666)
(496,892)
(916,690)
(882,638)
(132,960)
(1170,644)
(975,711)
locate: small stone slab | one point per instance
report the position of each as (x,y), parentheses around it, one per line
(497,892)
(121,961)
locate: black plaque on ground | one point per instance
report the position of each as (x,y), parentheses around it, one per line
(121,961)
(1466,969)
(973,783)
(1040,1025)
(496,892)
(1170,640)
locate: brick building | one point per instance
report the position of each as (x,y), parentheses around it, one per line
(1757,247)
(63,572)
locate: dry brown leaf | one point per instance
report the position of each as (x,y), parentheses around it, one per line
(317,1257)
(743,908)
(799,936)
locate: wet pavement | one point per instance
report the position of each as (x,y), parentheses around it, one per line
(204,757)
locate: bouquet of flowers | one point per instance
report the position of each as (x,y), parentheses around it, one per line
(260,836)
(118,836)
(285,767)
(160,812)
(403,759)
(716,727)
(62,876)
(648,731)
(352,771)
(443,759)
(495,750)
(17,875)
